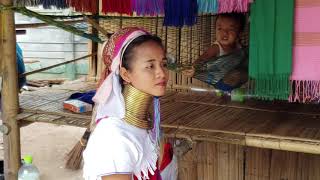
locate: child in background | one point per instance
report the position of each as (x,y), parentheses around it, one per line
(225,72)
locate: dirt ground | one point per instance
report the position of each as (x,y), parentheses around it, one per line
(48,144)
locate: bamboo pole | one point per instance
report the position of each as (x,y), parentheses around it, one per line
(11,140)
(93,48)
(56,65)
(36,25)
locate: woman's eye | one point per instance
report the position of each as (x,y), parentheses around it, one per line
(164,65)
(150,67)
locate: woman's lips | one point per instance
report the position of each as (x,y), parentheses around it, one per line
(162,83)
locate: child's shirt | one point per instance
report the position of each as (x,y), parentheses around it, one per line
(213,70)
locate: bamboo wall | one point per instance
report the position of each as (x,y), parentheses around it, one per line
(184,44)
(219,161)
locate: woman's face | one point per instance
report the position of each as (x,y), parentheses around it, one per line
(227,30)
(148,71)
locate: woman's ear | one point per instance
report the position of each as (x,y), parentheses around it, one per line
(125,74)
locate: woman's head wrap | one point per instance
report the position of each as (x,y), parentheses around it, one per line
(109,99)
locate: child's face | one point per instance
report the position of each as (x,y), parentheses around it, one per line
(227,30)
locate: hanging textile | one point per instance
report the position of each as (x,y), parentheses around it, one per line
(208,6)
(305,76)
(227,6)
(180,12)
(270,52)
(117,6)
(23,3)
(90,6)
(60,4)
(148,7)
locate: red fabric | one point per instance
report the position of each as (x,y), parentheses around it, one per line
(117,6)
(84,5)
(167,156)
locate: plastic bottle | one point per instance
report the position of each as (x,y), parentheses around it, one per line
(28,171)
(238,95)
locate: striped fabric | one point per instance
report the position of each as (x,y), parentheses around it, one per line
(305,76)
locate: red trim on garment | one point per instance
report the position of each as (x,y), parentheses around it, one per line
(167,156)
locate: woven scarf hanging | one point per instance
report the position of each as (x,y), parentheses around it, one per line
(84,5)
(148,7)
(208,6)
(117,6)
(22,3)
(227,6)
(180,12)
(60,4)
(305,76)
(270,50)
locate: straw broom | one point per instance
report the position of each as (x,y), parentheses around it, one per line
(74,157)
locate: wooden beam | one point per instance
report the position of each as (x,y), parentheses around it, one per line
(9,94)
(36,25)
(56,65)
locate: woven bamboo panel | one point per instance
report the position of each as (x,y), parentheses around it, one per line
(46,105)
(284,126)
(185,44)
(201,117)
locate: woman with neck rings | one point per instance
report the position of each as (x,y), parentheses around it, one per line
(125,141)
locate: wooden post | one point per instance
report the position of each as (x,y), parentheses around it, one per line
(9,94)
(93,48)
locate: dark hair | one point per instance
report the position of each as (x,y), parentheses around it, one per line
(128,54)
(238,17)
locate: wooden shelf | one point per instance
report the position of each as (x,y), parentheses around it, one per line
(199,116)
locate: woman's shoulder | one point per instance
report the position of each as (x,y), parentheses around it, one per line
(117,127)
(114,130)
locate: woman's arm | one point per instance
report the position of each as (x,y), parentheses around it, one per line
(118,177)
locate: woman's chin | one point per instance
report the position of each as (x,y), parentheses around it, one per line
(159,92)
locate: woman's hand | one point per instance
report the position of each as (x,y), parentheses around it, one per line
(189,72)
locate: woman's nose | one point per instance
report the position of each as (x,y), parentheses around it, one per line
(161,72)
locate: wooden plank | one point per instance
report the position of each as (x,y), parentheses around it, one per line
(257,163)
(283,165)
(230,162)
(188,166)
